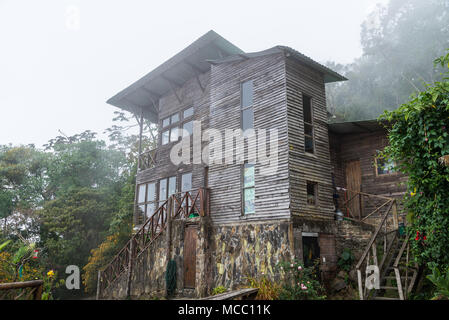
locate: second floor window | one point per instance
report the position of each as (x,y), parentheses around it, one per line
(146,198)
(247,105)
(384,166)
(312,193)
(309,143)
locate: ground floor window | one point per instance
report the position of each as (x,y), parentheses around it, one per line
(146,200)
(248,189)
(310,248)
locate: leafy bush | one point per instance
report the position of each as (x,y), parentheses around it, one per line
(346,260)
(218,290)
(418,139)
(300,283)
(441,282)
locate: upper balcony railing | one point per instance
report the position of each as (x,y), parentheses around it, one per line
(147,159)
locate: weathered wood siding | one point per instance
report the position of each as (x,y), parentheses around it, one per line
(363,147)
(191,95)
(269,103)
(305,167)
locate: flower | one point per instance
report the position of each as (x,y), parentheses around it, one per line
(413,193)
(291,265)
(50,273)
(299,268)
(303,287)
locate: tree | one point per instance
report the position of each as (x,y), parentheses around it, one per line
(399,41)
(418,140)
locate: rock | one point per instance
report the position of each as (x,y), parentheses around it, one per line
(353,275)
(342,275)
(338,285)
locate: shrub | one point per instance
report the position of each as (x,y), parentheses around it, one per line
(300,283)
(218,290)
(268,290)
(441,282)
(346,260)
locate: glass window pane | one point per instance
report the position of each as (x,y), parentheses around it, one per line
(308,129)
(385,166)
(165,122)
(163,189)
(308,144)
(247,119)
(175,118)
(248,176)
(188,112)
(174,135)
(151,192)
(141,211)
(165,137)
(141,194)
(186,182)
(188,129)
(247,94)
(307,108)
(249,196)
(171,185)
(151,207)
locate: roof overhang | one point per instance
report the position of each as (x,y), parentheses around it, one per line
(354,127)
(143,95)
(328,74)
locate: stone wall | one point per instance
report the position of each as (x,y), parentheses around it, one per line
(354,236)
(249,250)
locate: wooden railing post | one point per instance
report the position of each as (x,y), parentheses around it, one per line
(38,293)
(130,266)
(98,285)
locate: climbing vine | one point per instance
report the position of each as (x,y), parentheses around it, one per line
(419,144)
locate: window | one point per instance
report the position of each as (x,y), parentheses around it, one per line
(384,166)
(309,144)
(248,189)
(165,137)
(247,105)
(174,134)
(174,118)
(188,113)
(162,191)
(146,196)
(187,129)
(166,122)
(312,190)
(167,187)
(186,182)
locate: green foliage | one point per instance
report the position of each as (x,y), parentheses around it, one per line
(218,290)
(346,259)
(399,41)
(418,137)
(170,278)
(300,283)
(441,282)
(268,289)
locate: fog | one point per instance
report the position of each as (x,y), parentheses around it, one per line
(57,70)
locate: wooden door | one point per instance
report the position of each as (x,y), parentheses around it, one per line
(190,239)
(354,183)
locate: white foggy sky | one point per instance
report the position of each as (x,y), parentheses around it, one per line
(53,77)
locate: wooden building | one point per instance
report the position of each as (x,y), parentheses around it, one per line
(249,218)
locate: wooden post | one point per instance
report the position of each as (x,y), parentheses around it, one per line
(395,215)
(98,285)
(170,206)
(38,292)
(130,267)
(359,278)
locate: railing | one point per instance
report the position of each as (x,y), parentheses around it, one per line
(147,160)
(411,273)
(180,205)
(384,236)
(19,290)
(363,207)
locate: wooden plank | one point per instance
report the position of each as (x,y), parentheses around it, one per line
(236,294)
(190,240)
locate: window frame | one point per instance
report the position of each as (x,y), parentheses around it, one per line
(315,188)
(250,107)
(311,124)
(376,168)
(243,188)
(146,202)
